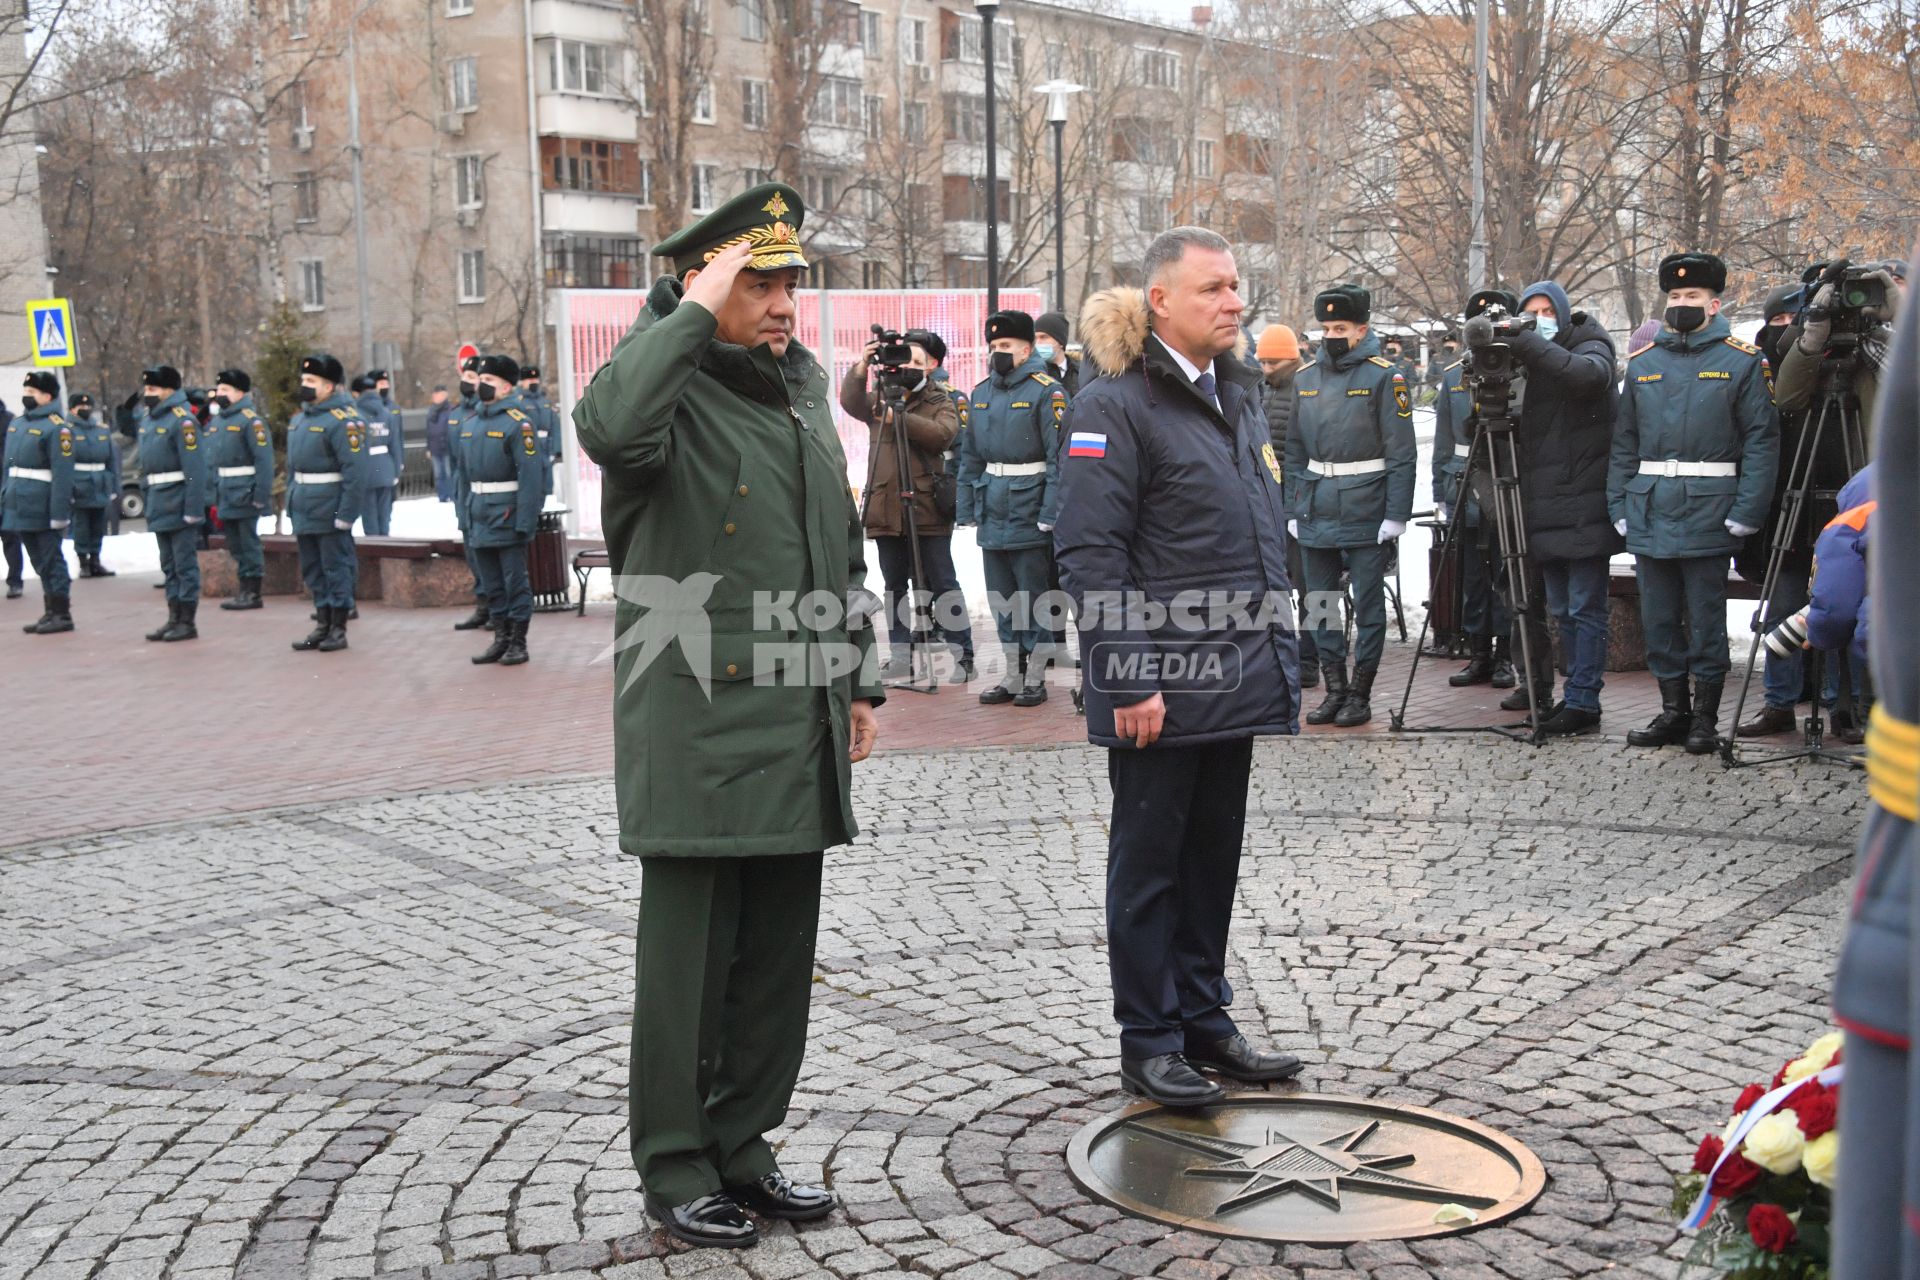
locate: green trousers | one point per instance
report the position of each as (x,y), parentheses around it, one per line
(723,973)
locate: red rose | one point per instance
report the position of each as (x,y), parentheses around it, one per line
(1771,1228)
(1738,1174)
(1780,1076)
(1817,1109)
(1710,1149)
(1748,1096)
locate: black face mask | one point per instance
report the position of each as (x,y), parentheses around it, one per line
(150,401)
(1685,319)
(30,401)
(1002,362)
(467,389)
(85,415)
(386,395)
(487,391)
(309,394)
(532,388)
(220,403)
(1336,348)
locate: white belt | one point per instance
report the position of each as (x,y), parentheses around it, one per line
(166,477)
(1463,451)
(543,435)
(1366,468)
(31,473)
(230,473)
(317,477)
(1016,468)
(378,448)
(1673,467)
(494,486)
(89,466)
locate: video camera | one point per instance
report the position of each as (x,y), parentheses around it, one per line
(893,358)
(1860,301)
(1491,363)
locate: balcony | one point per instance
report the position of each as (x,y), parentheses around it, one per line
(590,213)
(579,116)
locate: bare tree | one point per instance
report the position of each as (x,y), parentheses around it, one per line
(673,40)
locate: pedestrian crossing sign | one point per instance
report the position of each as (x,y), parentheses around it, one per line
(51,320)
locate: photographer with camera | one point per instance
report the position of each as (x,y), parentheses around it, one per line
(1695,450)
(928,422)
(1484,618)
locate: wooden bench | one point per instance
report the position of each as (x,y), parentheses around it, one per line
(402,573)
(585,561)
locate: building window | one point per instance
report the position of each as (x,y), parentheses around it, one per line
(753,20)
(574,262)
(965,199)
(837,102)
(574,66)
(589,164)
(306,197)
(966,117)
(463,84)
(1056,59)
(1150,214)
(875,112)
(473,275)
(646,184)
(1158,69)
(753,104)
(820,190)
(297,104)
(873,201)
(754,177)
(1090,68)
(870,32)
(703,104)
(459,8)
(916,275)
(1203,158)
(913,41)
(297,19)
(313,285)
(966,273)
(705,180)
(913,121)
(873,275)
(967,42)
(469,191)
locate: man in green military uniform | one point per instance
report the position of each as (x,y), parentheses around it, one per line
(726,489)
(1350,468)
(1695,449)
(242,457)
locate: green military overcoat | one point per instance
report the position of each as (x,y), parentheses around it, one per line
(724,481)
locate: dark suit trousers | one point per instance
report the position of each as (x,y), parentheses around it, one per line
(1173,862)
(723,975)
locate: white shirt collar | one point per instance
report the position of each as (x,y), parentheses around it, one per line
(1187,366)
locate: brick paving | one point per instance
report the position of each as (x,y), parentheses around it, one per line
(313,970)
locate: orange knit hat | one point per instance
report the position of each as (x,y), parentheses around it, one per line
(1277,342)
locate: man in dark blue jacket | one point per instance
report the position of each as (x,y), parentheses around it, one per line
(1171,546)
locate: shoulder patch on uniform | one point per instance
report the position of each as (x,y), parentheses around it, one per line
(1382,361)
(353,435)
(66,439)
(1739,344)
(526,433)
(1042,379)
(516,415)
(188,436)
(1401,399)
(179,411)
(259,432)
(340,413)
(1456,364)
(1640,351)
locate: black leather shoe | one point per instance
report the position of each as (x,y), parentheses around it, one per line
(1235,1058)
(1169,1081)
(1567,722)
(479,618)
(711,1222)
(778,1196)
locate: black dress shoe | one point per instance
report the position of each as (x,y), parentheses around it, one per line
(711,1222)
(1169,1081)
(1568,722)
(778,1196)
(1235,1058)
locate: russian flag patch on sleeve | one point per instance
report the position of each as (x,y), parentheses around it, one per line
(1086,444)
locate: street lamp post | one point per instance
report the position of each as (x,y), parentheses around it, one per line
(1057,92)
(988,8)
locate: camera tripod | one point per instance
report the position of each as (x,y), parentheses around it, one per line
(921,677)
(1837,411)
(1494,455)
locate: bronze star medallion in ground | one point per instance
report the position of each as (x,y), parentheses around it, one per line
(1299,1168)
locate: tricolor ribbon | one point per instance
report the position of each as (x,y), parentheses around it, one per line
(1703,1207)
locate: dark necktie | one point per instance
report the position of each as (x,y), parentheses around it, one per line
(1205,384)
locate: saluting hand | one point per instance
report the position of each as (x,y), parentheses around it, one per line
(713,284)
(866,730)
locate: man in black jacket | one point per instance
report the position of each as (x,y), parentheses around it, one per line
(1171,503)
(1566,438)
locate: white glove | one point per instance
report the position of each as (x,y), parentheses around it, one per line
(1440,511)
(1739,530)
(1046,528)
(1293,529)
(1620,527)
(194,519)
(56,524)
(1391,529)
(343,525)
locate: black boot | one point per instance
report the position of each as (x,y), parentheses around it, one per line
(1479,668)
(336,637)
(98,570)
(1542,690)
(46,612)
(60,616)
(319,632)
(173,619)
(183,627)
(1703,737)
(479,618)
(502,637)
(1033,681)
(1673,722)
(1358,708)
(516,643)
(1310,671)
(246,596)
(1014,679)
(1336,677)
(1504,676)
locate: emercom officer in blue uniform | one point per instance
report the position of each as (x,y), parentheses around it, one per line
(1350,468)
(174,475)
(384,456)
(326,466)
(546,421)
(1171,486)
(241,449)
(36,495)
(460,420)
(503,466)
(96,482)
(1695,449)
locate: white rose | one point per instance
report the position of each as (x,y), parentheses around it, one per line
(1821,1157)
(1775,1143)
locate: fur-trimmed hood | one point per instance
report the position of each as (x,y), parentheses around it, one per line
(1114,324)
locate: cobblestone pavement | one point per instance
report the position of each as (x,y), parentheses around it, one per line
(388,1037)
